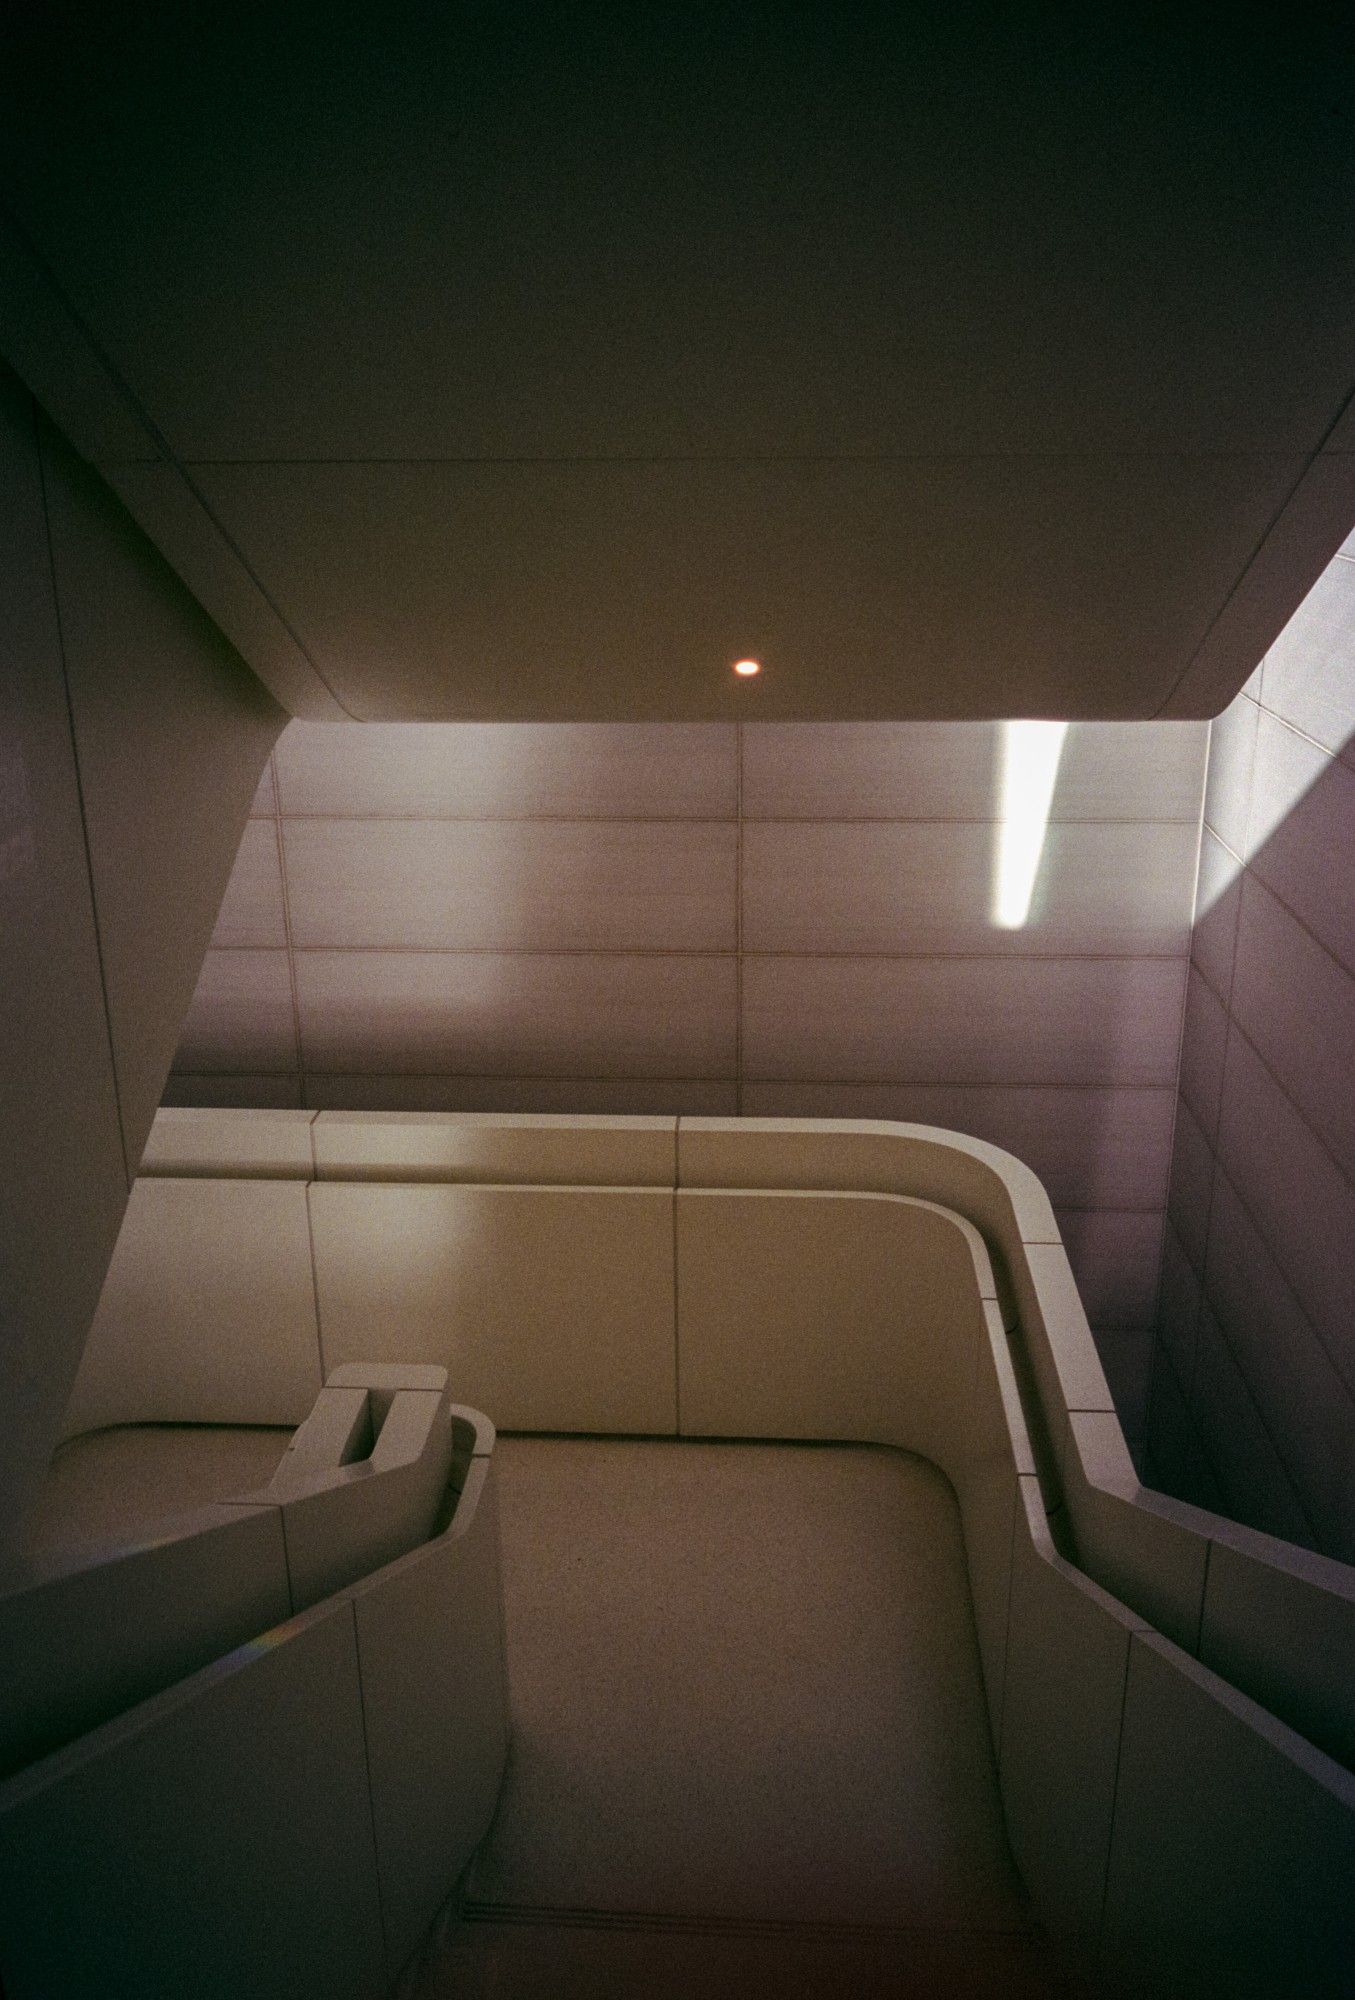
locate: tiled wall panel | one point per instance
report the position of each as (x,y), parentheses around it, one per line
(1285,985)
(953,771)
(130,741)
(977,1020)
(1093,1146)
(530,771)
(242,1016)
(511,885)
(252,913)
(771,919)
(925,887)
(1256,1329)
(517,1014)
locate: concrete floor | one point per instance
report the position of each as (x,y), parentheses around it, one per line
(547,1960)
(750,1752)
(750,1745)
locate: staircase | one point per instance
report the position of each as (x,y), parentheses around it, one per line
(751,1752)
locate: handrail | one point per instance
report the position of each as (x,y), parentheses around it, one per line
(1276,1620)
(1107,1617)
(86,1636)
(1224,1592)
(289,1816)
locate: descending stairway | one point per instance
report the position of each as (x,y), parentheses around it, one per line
(751,1752)
(755,1713)
(551,1956)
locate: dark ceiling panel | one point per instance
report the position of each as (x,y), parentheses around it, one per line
(428,232)
(1045,587)
(1063,294)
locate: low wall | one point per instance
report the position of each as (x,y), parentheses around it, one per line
(287,1821)
(537,1257)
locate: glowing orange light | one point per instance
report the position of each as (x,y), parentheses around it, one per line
(745,669)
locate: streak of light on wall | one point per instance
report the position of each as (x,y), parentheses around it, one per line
(1030,766)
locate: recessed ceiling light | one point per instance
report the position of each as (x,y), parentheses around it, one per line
(745,669)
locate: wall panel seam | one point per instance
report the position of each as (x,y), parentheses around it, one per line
(164,453)
(762,1083)
(1115,1789)
(315,1274)
(129,1171)
(1253,875)
(371,1795)
(287,930)
(1265,535)
(1340,1369)
(1179,1096)
(1296,729)
(391,817)
(1290,1100)
(1245,1379)
(738,919)
(801,954)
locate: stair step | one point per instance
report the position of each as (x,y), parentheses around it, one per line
(493,1953)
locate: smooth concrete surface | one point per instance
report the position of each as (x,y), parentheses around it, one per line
(745,1685)
(356,845)
(468,1294)
(577,885)
(271,1145)
(1258,1326)
(569,383)
(133,740)
(1237,1882)
(1063,1697)
(470,804)
(435,1703)
(159,1549)
(766,1284)
(287,1820)
(550,1306)
(1148,1546)
(996,1192)
(382,1381)
(1259,1612)
(572,1958)
(109,1489)
(379,1146)
(88,1631)
(215,1841)
(1143,1546)
(482,771)
(991,1454)
(171,732)
(63,1175)
(167,506)
(419,1250)
(208,1310)
(1054,1325)
(356,1494)
(525,625)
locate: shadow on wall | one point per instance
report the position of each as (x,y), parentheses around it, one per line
(1253,1400)
(575,928)
(779,919)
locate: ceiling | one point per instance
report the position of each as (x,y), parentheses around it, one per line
(477,362)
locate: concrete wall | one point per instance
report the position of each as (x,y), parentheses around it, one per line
(1254,1373)
(774,919)
(131,740)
